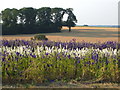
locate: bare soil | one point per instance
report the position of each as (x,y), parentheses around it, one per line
(72,84)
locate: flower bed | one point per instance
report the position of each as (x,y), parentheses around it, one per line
(31,61)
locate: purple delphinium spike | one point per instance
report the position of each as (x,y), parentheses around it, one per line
(69,56)
(46,53)
(78,61)
(34,56)
(95,56)
(3,59)
(17,53)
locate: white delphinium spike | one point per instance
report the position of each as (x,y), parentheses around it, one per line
(115,52)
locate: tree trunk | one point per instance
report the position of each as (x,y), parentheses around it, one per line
(69,29)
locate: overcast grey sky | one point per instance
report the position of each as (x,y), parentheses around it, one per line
(91,12)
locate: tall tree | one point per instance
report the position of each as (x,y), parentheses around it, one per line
(28,18)
(44,16)
(71,19)
(10,18)
(57,16)
(43,19)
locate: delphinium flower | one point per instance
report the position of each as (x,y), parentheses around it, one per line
(34,56)
(95,56)
(53,56)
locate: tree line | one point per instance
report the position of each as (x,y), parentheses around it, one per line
(31,20)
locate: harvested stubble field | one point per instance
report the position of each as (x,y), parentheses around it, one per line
(88,34)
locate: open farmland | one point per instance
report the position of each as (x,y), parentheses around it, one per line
(88,34)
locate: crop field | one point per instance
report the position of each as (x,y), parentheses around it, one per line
(88,34)
(31,61)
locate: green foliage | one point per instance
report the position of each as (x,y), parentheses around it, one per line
(71,18)
(9,17)
(40,37)
(49,68)
(27,18)
(44,16)
(31,20)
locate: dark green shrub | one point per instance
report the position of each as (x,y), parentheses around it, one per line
(39,37)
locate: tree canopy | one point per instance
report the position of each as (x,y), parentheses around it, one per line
(31,20)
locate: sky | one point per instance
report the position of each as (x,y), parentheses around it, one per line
(90,12)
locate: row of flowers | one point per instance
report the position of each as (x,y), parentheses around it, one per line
(68,45)
(48,60)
